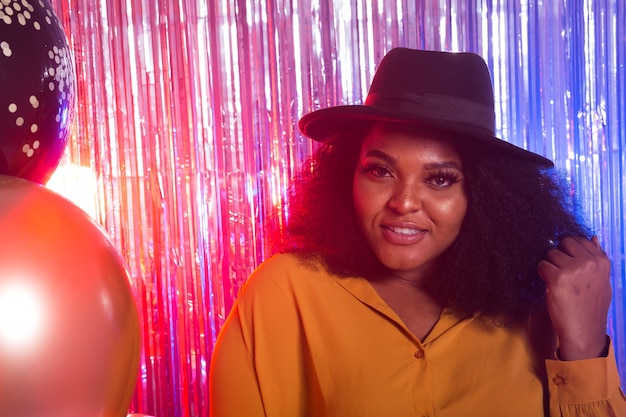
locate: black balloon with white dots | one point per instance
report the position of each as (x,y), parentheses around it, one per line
(37,84)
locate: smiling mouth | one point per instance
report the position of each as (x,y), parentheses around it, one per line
(399,235)
(409,231)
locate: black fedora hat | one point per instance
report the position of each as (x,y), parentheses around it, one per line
(447,91)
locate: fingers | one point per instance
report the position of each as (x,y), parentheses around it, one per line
(546,269)
(579,246)
(574,257)
(574,247)
(596,241)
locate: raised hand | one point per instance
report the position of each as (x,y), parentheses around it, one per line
(578,296)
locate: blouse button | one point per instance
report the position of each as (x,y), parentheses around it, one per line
(558,380)
(419,354)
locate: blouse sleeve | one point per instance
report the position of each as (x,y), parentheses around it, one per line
(233,388)
(585,388)
(256,367)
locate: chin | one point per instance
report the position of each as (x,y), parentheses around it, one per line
(394,261)
(404,265)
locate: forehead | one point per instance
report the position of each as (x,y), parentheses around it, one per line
(404,139)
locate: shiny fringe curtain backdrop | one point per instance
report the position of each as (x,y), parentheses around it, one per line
(185,134)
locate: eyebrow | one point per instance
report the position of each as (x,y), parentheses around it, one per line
(431,165)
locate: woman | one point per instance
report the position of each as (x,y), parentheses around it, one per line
(428,269)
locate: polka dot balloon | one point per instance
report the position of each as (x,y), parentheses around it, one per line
(36,89)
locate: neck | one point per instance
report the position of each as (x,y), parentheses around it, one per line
(416,279)
(410,300)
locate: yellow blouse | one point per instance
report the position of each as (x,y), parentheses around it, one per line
(301,342)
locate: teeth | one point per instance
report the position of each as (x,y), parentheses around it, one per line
(404,230)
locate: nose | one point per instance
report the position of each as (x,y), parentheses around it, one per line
(406,197)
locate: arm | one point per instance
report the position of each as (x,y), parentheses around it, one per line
(233,386)
(578,296)
(259,363)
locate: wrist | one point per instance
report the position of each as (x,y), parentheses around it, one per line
(569,351)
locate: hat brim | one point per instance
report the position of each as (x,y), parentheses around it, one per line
(326,125)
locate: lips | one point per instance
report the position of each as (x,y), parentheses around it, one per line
(403,230)
(402,235)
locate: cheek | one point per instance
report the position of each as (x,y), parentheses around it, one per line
(450,213)
(366,199)
(457,212)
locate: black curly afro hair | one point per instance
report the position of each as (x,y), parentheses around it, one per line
(517,211)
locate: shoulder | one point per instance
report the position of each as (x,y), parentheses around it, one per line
(283,288)
(286,261)
(288,264)
(282,272)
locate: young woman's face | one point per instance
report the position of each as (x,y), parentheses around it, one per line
(409,198)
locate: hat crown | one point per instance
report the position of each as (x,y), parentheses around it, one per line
(461,74)
(443,85)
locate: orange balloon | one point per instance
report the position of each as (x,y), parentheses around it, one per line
(69,326)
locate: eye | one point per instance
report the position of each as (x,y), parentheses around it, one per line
(376,170)
(444,179)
